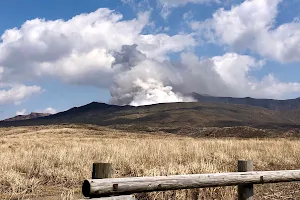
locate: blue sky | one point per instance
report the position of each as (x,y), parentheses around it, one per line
(58,54)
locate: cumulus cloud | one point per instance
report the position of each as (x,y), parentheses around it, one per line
(39,45)
(229,75)
(17,93)
(21,112)
(79,50)
(251,25)
(157,46)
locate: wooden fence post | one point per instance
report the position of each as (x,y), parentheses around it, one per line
(245,191)
(102,170)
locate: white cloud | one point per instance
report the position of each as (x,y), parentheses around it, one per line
(79,50)
(49,110)
(234,68)
(229,75)
(157,46)
(21,112)
(33,49)
(17,93)
(250,25)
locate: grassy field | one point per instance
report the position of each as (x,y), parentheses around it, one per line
(50,162)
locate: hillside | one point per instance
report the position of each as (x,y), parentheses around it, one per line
(183,118)
(32,115)
(272,104)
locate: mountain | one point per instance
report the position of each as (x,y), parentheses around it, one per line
(32,115)
(272,104)
(195,118)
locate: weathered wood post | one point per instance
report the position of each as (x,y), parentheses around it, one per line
(102,170)
(245,191)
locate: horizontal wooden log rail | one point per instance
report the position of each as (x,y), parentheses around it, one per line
(117,186)
(245,178)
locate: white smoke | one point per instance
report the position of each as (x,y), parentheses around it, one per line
(141,80)
(153,91)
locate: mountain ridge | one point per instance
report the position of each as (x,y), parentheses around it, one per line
(188,118)
(32,115)
(182,117)
(272,104)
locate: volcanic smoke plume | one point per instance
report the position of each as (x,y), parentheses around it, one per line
(142,81)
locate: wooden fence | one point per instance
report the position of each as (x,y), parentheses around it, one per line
(102,186)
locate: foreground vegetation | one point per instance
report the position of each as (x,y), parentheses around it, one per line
(52,161)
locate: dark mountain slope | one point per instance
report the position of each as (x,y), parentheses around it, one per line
(289,104)
(26,117)
(171,117)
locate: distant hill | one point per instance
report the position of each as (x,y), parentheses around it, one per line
(289,104)
(179,118)
(32,115)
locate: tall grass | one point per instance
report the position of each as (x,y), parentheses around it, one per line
(53,161)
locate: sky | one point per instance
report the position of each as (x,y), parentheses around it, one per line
(56,54)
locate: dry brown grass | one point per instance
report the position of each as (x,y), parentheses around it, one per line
(54,160)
